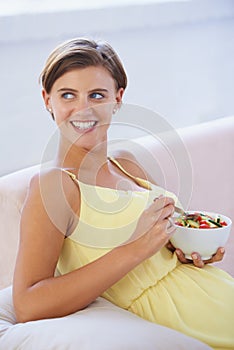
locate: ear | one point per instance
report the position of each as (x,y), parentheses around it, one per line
(118,98)
(46,98)
(119,95)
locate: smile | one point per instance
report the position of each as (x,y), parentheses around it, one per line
(83,126)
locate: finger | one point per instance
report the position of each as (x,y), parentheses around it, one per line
(170,246)
(170,226)
(162,226)
(218,256)
(160,213)
(181,256)
(158,197)
(161,202)
(163,212)
(197,261)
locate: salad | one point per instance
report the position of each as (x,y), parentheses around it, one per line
(199,220)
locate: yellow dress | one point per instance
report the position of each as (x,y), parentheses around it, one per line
(197,302)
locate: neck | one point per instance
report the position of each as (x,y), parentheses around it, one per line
(79,159)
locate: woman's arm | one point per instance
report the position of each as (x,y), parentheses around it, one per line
(47,216)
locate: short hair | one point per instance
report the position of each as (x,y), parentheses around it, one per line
(82,53)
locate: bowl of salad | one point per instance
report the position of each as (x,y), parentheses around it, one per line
(201,232)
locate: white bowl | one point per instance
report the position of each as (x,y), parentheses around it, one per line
(202,241)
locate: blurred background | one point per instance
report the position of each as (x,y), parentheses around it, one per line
(178,54)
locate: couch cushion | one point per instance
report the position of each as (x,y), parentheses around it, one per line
(101,326)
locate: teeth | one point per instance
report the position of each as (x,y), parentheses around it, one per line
(83,125)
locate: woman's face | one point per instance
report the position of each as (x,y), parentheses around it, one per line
(82,102)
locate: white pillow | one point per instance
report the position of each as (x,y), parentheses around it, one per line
(7,316)
(101,326)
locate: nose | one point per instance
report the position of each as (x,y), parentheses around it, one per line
(82,105)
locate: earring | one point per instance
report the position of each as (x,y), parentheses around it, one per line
(51,112)
(115,110)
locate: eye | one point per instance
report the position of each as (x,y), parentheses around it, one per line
(97,96)
(68,96)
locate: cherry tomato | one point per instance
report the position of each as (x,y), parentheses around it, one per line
(223,223)
(204,225)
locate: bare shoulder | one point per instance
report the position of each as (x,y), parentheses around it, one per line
(56,191)
(130,163)
(55,181)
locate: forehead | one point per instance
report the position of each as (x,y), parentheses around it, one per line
(86,78)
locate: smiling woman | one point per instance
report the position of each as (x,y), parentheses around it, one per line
(86,107)
(103,222)
(82,87)
(99,58)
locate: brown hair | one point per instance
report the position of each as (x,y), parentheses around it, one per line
(82,53)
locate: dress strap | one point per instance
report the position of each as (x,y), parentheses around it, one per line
(73,176)
(139,181)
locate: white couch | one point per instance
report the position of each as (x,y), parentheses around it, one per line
(194,162)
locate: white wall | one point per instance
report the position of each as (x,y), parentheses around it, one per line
(179,57)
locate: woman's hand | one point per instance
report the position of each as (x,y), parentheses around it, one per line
(154,228)
(197,260)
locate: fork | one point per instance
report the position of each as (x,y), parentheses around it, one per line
(180,211)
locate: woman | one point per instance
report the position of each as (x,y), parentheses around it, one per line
(103,222)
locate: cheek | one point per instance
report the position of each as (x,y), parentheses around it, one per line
(104,111)
(59,114)
(60,111)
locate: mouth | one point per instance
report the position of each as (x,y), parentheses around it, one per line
(84,125)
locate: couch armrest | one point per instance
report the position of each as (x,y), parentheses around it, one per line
(9,218)
(13,188)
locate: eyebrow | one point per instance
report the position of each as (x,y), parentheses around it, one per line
(66,89)
(74,90)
